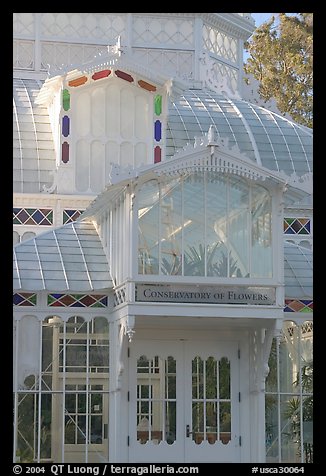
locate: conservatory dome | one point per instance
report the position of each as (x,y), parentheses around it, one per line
(264,136)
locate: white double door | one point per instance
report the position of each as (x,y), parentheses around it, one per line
(184,401)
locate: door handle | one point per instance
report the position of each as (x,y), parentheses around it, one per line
(188,432)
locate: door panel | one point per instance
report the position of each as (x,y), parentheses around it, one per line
(211,402)
(184,402)
(155,396)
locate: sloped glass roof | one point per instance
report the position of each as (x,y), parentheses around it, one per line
(33,147)
(298,271)
(68,258)
(265,137)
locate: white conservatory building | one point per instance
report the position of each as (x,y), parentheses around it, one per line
(162,246)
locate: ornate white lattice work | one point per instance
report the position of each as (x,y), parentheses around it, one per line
(94,26)
(23,23)
(176,62)
(163,31)
(230,75)
(58,54)
(220,44)
(119,296)
(23,54)
(219,78)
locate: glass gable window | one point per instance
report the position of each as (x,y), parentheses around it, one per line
(204,224)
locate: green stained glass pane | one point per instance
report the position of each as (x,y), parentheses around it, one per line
(306,309)
(50,217)
(32,299)
(289,221)
(158,104)
(66,99)
(16,221)
(76,296)
(50,299)
(30,210)
(303,231)
(97,304)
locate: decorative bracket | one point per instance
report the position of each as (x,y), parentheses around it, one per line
(261,346)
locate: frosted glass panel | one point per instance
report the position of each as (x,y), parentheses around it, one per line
(126,154)
(83,110)
(82,166)
(98,112)
(112,111)
(112,155)
(140,154)
(127,104)
(142,117)
(97,166)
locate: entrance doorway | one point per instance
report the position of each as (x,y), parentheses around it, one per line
(184,402)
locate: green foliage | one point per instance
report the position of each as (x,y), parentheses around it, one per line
(281,59)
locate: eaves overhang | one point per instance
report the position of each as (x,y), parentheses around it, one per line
(114,59)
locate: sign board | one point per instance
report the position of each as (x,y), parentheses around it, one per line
(257,295)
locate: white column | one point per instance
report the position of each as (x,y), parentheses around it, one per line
(37,45)
(198,40)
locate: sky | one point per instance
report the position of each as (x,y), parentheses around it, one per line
(261,17)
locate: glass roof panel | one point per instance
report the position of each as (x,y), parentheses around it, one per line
(263,135)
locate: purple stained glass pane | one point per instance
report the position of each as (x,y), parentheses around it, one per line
(65,126)
(158,130)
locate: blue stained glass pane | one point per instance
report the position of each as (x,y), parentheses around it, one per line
(104,301)
(18,299)
(306,301)
(65,126)
(77,304)
(57,296)
(289,231)
(38,216)
(307,226)
(158,130)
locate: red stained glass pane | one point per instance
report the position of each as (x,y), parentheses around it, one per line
(88,300)
(148,86)
(101,74)
(157,154)
(123,75)
(77,82)
(67,300)
(65,152)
